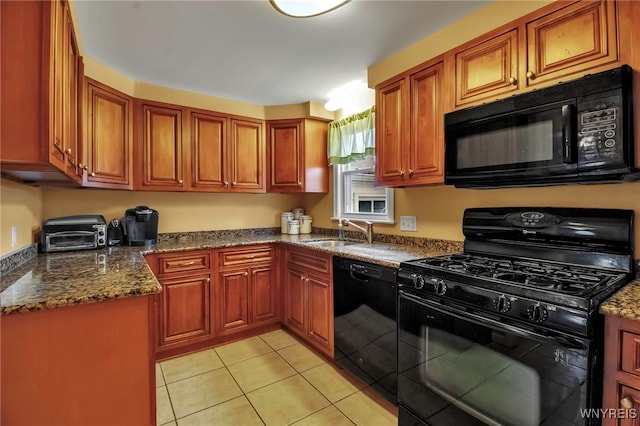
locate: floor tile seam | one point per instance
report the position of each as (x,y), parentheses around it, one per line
(269,384)
(210,406)
(246,359)
(276,349)
(327,398)
(342,412)
(195,375)
(173,411)
(255,410)
(310,414)
(164,379)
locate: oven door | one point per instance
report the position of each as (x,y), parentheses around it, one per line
(457,368)
(535,144)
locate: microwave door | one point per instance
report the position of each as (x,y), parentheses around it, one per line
(531,145)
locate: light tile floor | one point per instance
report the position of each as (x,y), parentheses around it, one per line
(272,380)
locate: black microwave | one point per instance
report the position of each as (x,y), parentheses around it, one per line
(580,131)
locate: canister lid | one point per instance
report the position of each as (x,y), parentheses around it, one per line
(287,214)
(305,217)
(294,222)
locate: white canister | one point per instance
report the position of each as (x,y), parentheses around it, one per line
(305,224)
(293,227)
(284,222)
(297,212)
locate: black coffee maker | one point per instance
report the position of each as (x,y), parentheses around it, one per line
(140,226)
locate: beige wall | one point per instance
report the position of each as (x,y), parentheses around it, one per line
(178,211)
(20,206)
(439,209)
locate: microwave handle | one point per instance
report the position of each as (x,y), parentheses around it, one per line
(568,134)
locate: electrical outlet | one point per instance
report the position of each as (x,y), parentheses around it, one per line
(408,223)
(14,236)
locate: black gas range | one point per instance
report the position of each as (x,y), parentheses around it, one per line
(524,296)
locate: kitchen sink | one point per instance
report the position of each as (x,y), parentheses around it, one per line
(333,243)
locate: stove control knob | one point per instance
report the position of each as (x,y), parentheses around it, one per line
(502,303)
(440,287)
(418,281)
(537,313)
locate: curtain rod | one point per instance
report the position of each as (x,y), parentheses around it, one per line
(354,117)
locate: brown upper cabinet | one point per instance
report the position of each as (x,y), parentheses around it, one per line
(108,137)
(297,152)
(40,74)
(183,149)
(409,137)
(559,42)
(159,148)
(247,155)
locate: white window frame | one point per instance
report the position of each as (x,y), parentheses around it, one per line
(340,202)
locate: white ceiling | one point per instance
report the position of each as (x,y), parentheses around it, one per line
(245,50)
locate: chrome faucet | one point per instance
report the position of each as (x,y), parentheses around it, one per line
(368,231)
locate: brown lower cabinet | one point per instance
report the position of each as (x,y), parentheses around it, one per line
(621,372)
(211,296)
(308,297)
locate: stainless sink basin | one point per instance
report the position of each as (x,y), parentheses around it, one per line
(333,243)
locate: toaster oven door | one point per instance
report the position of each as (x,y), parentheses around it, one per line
(70,240)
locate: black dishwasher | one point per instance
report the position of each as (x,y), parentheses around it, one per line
(365,333)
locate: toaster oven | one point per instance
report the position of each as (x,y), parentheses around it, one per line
(81,232)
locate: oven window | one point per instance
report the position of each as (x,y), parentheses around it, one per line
(454,371)
(76,240)
(505,143)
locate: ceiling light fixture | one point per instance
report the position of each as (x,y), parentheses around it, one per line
(306,8)
(340,96)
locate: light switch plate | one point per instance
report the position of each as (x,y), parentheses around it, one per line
(408,223)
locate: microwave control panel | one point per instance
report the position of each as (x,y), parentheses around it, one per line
(599,131)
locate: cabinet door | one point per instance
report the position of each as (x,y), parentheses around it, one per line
(56,149)
(294,301)
(208,152)
(285,156)
(426,149)
(264,294)
(184,306)
(391,132)
(320,306)
(161,159)
(109,136)
(630,396)
(570,40)
(488,69)
(71,86)
(247,156)
(233,301)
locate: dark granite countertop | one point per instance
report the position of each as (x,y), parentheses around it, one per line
(625,303)
(56,280)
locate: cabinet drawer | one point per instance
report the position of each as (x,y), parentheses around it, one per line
(630,353)
(242,256)
(309,260)
(198,261)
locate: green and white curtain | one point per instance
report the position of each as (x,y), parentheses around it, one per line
(353,138)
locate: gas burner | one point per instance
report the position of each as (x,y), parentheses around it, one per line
(545,282)
(475,269)
(460,257)
(515,277)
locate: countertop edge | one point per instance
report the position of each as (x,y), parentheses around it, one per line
(154,287)
(624,303)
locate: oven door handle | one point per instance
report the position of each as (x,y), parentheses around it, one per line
(563,340)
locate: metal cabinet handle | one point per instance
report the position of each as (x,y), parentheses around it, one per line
(627,402)
(80,166)
(208,280)
(225,183)
(246,274)
(299,184)
(68,151)
(180,181)
(85,167)
(401,173)
(234,183)
(411,172)
(531,75)
(513,81)
(92,174)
